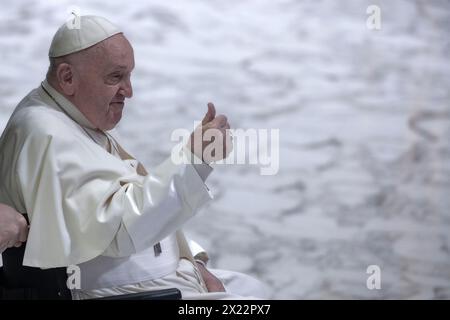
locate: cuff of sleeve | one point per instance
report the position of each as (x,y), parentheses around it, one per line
(201,262)
(200,193)
(202,168)
(196,249)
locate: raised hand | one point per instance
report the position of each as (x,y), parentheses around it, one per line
(211,140)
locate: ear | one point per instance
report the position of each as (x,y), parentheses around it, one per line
(66,79)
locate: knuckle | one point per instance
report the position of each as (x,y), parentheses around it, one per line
(22,221)
(15,229)
(222,118)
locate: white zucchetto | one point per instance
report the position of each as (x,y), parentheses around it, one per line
(77,35)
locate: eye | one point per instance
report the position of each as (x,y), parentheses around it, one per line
(114,78)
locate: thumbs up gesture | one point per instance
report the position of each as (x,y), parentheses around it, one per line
(211,140)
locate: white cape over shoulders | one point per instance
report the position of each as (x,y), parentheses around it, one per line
(82,200)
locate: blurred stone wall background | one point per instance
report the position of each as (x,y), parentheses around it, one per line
(364,121)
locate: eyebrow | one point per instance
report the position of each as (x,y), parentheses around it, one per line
(118,68)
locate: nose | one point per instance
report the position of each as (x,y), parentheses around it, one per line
(126,88)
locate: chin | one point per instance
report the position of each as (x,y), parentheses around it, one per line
(113,124)
(110,126)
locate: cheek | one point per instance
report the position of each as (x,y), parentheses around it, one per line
(111,93)
(113,110)
(104,98)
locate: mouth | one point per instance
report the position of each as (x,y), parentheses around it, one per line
(118,105)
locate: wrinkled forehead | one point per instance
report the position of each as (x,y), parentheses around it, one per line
(117,52)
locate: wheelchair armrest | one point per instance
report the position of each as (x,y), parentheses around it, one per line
(28,283)
(164,294)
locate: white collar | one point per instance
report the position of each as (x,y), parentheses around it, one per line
(68,107)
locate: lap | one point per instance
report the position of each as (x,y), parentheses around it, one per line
(238,286)
(242,284)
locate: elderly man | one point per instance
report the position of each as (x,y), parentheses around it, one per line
(89,202)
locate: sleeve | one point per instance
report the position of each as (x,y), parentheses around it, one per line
(81,200)
(123,241)
(197,251)
(180,196)
(203,169)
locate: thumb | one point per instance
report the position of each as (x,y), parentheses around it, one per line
(210,115)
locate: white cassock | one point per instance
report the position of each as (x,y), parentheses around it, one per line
(93,205)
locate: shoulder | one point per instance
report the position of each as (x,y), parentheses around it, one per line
(36,132)
(40,121)
(33,115)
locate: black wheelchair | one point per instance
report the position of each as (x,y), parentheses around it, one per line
(18,282)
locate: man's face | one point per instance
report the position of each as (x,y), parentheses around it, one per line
(104,82)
